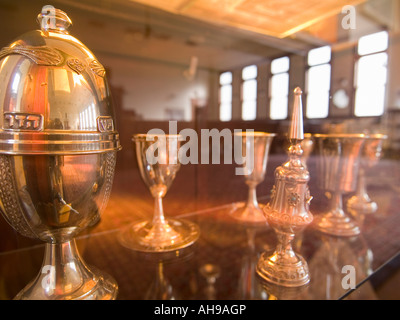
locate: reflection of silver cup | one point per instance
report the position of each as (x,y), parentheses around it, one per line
(249,288)
(337,265)
(338,163)
(256,146)
(211,273)
(57,154)
(361,203)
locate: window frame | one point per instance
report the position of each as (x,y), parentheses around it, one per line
(271,75)
(355,76)
(242,100)
(219,96)
(307,89)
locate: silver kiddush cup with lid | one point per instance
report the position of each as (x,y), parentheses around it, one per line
(58,149)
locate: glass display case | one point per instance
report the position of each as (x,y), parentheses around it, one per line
(60,168)
(221,264)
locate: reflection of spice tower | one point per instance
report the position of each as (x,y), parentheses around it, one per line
(288,210)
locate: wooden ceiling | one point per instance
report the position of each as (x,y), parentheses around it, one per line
(278,18)
(167,32)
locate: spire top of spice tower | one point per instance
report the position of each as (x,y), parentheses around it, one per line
(296,131)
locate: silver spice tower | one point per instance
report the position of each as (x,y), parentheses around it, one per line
(288,210)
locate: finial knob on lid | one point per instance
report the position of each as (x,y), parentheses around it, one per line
(52,19)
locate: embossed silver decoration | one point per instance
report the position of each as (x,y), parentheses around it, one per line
(97,68)
(22,121)
(58,149)
(76,65)
(105,124)
(41,55)
(288,211)
(293,199)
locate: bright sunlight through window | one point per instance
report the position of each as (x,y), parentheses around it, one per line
(371,75)
(279,88)
(318,82)
(225,96)
(249,93)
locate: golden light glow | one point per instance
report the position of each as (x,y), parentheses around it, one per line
(61,81)
(70,38)
(77,79)
(278,18)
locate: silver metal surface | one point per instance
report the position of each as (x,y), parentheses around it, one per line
(288,211)
(339,160)
(159,162)
(360,203)
(58,148)
(296,128)
(338,166)
(54,197)
(54,96)
(256,146)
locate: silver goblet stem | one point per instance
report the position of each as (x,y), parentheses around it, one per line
(360,203)
(64,275)
(158,217)
(252,201)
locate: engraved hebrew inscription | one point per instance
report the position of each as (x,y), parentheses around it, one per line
(22,121)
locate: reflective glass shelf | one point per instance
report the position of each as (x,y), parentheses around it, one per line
(221,264)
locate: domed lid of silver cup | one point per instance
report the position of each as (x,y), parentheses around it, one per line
(54,96)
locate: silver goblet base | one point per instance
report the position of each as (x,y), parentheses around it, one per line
(362,205)
(336,224)
(170,235)
(65,276)
(287,271)
(249,214)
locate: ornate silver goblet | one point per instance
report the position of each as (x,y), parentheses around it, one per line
(257,146)
(57,153)
(338,162)
(371,153)
(158,160)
